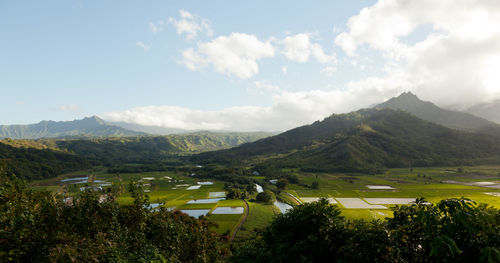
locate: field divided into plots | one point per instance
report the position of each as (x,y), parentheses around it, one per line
(372,196)
(357,195)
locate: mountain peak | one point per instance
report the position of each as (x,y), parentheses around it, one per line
(404,100)
(428,111)
(408,95)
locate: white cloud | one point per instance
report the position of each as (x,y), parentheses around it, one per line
(328,71)
(69,107)
(145,47)
(236,54)
(452,64)
(191,25)
(157,26)
(299,48)
(20,102)
(288,110)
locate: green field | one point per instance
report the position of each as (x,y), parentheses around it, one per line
(408,183)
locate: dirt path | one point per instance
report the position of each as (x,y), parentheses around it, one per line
(247,210)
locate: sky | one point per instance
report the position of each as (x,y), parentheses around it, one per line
(241,65)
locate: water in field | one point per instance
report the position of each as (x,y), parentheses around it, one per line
(154,205)
(195,212)
(76,180)
(228,210)
(259,188)
(283,207)
(194,187)
(205,201)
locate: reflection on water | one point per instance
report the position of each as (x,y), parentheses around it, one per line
(228,210)
(282,206)
(259,188)
(196,212)
(205,201)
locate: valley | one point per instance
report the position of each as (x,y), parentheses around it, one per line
(359,196)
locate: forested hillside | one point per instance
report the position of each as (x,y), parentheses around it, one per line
(32,163)
(43,158)
(368,140)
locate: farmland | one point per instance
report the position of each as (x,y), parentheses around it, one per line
(353,193)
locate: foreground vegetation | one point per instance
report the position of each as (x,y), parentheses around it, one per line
(40,226)
(454,230)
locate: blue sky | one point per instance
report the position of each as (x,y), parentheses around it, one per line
(125,60)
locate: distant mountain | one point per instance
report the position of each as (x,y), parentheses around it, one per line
(430,112)
(368,140)
(88,126)
(490,111)
(153,130)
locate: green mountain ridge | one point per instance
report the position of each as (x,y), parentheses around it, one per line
(430,112)
(368,140)
(86,127)
(25,157)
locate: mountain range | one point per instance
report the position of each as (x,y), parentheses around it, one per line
(88,126)
(401,132)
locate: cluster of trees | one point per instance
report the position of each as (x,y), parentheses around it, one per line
(37,226)
(266,197)
(239,191)
(454,230)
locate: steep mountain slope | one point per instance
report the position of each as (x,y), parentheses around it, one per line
(32,163)
(490,111)
(365,141)
(89,126)
(430,112)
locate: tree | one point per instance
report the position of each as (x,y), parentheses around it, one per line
(281,184)
(265,197)
(315,185)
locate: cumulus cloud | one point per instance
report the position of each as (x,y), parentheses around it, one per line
(69,107)
(288,110)
(236,54)
(191,25)
(455,61)
(145,47)
(299,48)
